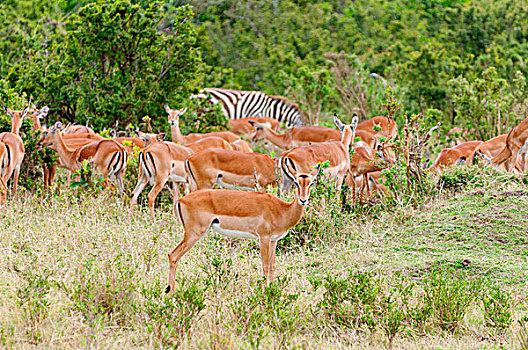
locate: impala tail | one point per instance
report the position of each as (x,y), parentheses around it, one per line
(190,176)
(117,163)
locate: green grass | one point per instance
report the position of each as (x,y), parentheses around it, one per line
(79,272)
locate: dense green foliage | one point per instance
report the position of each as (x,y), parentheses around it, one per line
(122,59)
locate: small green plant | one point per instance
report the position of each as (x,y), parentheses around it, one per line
(522,336)
(86,179)
(498,306)
(450,293)
(352,301)
(170,319)
(268,308)
(33,299)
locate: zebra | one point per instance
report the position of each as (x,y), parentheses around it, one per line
(238,104)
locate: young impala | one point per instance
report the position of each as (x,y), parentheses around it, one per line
(239,214)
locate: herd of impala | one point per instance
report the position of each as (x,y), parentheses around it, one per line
(198,162)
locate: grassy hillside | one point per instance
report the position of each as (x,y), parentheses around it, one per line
(77,271)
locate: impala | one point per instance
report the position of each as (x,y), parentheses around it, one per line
(242,146)
(177,137)
(308,135)
(230,169)
(158,163)
(209,143)
(364,161)
(489,149)
(238,214)
(454,155)
(3,187)
(49,171)
(108,157)
(242,127)
(297,136)
(77,129)
(304,158)
(161,162)
(516,144)
(15,151)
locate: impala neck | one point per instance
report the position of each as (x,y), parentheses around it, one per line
(283,141)
(347,137)
(16,124)
(35,123)
(64,152)
(294,211)
(177,137)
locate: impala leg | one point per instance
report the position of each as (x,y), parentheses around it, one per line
(512,162)
(46,178)
(175,196)
(190,237)
(52,171)
(158,186)
(142,182)
(16,174)
(265,244)
(273,251)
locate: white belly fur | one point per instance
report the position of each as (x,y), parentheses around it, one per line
(176,178)
(232,233)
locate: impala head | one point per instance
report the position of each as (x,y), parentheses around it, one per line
(259,128)
(303,181)
(39,113)
(48,136)
(17,117)
(174,114)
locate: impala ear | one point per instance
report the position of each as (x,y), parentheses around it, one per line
(161,136)
(182,111)
(338,123)
(288,171)
(57,126)
(167,109)
(43,112)
(354,123)
(24,113)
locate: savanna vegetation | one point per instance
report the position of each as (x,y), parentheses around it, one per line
(438,262)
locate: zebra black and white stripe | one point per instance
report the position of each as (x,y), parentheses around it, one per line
(243,104)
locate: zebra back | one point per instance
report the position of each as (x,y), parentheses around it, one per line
(237,104)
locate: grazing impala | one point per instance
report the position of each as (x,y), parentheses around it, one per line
(304,158)
(238,214)
(15,151)
(297,136)
(109,157)
(489,149)
(308,135)
(177,137)
(242,127)
(158,163)
(363,162)
(516,144)
(242,146)
(455,155)
(49,171)
(230,169)
(77,129)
